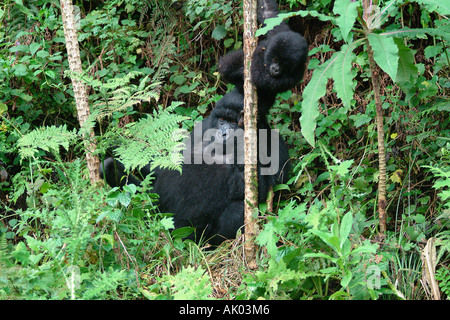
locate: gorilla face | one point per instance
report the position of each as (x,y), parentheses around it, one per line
(284,58)
(224,135)
(226,126)
(274,68)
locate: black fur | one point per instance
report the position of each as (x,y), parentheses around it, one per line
(210,197)
(209,194)
(278,62)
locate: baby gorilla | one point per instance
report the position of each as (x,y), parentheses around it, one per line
(209,194)
(278,62)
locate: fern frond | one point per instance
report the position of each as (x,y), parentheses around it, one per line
(189,284)
(121,94)
(47,138)
(105,284)
(155,138)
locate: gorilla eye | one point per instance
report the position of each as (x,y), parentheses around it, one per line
(275,60)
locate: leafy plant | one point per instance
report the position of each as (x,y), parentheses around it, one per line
(188,284)
(443,276)
(62,239)
(383,51)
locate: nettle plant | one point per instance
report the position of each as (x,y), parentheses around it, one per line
(364,24)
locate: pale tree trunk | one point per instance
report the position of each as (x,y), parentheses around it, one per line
(381,148)
(250,137)
(79,89)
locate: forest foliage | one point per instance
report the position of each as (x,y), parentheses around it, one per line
(151,70)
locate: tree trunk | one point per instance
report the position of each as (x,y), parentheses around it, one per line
(79,89)
(381,148)
(250,137)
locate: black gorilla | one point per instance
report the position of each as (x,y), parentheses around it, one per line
(278,62)
(209,194)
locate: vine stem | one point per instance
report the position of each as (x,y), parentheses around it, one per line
(374,70)
(250,137)
(79,88)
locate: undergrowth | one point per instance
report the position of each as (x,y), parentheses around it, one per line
(62,238)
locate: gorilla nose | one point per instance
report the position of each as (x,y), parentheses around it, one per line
(223,134)
(275,70)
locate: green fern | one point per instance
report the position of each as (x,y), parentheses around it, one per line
(443,238)
(47,138)
(189,284)
(155,138)
(119,93)
(443,276)
(105,285)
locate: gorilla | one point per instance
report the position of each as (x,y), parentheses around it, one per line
(209,194)
(278,62)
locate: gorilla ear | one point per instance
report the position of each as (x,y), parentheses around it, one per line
(241,120)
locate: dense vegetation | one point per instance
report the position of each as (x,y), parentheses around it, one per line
(61,237)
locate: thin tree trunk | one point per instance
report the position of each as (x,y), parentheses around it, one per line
(250,137)
(79,89)
(381,148)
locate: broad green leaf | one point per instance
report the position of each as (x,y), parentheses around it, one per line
(219,32)
(347,12)
(346,278)
(275,21)
(130,188)
(327,237)
(275,189)
(115,215)
(21,253)
(440,6)
(124,198)
(365,248)
(385,53)
(24,9)
(3,108)
(34,47)
(167,223)
(346,248)
(315,89)
(20,70)
(343,75)
(346,227)
(443,31)
(342,168)
(108,238)
(406,67)
(313,217)
(360,119)
(268,239)
(182,232)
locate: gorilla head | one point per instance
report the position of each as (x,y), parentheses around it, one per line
(227,116)
(219,138)
(279,62)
